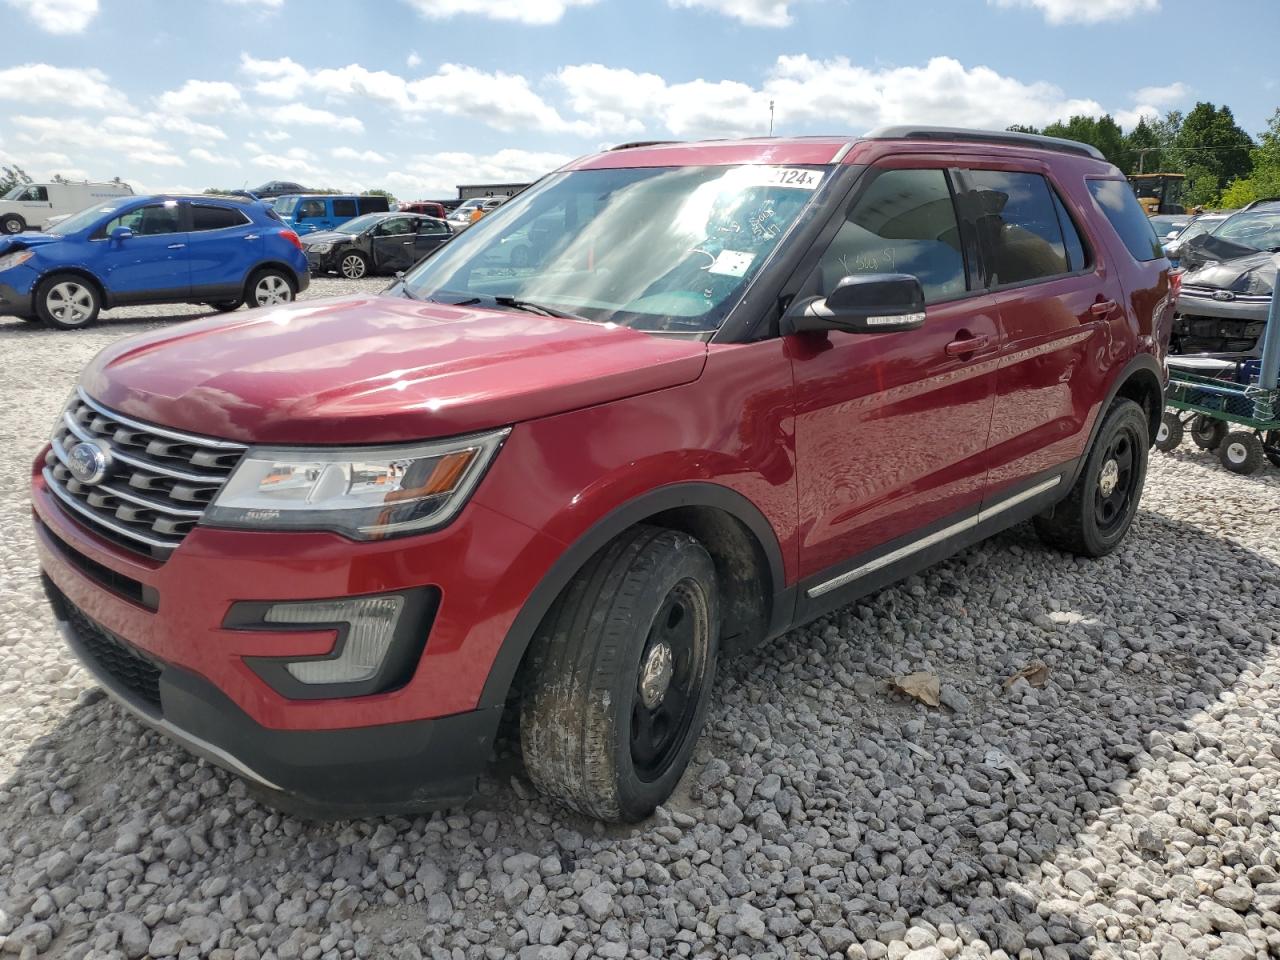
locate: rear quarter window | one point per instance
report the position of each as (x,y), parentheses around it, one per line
(1121,207)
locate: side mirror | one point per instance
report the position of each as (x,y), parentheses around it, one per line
(121,234)
(864,303)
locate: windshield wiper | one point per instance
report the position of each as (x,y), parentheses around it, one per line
(528,306)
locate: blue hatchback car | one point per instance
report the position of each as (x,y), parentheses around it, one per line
(223,251)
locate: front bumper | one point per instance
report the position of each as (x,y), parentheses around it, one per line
(322,262)
(1205,325)
(15,302)
(401,767)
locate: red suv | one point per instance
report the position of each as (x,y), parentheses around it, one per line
(735,386)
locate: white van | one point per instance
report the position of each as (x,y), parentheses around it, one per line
(29,206)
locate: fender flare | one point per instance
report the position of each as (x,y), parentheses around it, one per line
(689,494)
(1139,362)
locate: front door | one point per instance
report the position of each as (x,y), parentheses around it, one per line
(150,265)
(891,429)
(431,233)
(393,244)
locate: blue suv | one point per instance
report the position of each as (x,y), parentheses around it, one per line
(312,213)
(222,251)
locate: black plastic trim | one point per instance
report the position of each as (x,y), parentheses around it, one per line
(692,494)
(1001,137)
(116,583)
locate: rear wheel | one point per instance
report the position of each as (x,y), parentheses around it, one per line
(620,675)
(12,223)
(1098,511)
(1271,446)
(65,301)
(226,306)
(271,288)
(1169,436)
(1206,432)
(1241,452)
(354,266)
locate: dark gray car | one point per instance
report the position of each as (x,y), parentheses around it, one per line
(374,243)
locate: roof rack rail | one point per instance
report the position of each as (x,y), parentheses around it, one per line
(642,143)
(1035,140)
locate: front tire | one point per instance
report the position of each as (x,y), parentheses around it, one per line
(1098,511)
(620,675)
(1241,452)
(1206,432)
(1169,436)
(11,223)
(66,301)
(227,306)
(353,266)
(271,288)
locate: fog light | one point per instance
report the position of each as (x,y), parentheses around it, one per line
(366,627)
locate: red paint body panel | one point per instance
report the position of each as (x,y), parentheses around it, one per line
(377,370)
(841,442)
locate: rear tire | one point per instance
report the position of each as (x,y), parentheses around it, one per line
(1206,432)
(1169,436)
(1271,446)
(11,223)
(1097,513)
(271,288)
(619,676)
(66,301)
(226,306)
(1241,452)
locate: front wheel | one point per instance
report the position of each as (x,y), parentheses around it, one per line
(620,675)
(1271,446)
(353,266)
(1206,432)
(1241,452)
(1096,514)
(227,306)
(271,288)
(1169,436)
(67,302)
(12,223)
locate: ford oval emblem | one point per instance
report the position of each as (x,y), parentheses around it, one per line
(88,463)
(1223,295)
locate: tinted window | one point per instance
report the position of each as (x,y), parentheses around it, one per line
(427,225)
(373,204)
(344,207)
(1122,209)
(147,221)
(310,210)
(1018,226)
(905,222)
(215,218)
(1077,258)
(395,227)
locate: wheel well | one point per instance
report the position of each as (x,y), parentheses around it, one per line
(103,299)
(1143,388)
(284,268)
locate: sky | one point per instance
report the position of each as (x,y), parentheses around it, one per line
(417,96)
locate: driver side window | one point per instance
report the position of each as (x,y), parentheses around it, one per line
(155,218)
(904,222)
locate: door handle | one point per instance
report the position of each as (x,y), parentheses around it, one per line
(1103,308)
(967,345)
(176,246)
(408,243)
(251,236)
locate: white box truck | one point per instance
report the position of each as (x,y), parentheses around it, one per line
(29,206)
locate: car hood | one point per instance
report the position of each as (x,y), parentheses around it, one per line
(1254,274)
(1206,248)
(22,241)
(325,236)
(372,369)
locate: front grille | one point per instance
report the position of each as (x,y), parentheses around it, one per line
(157,486)
(112,656)
(1201,291)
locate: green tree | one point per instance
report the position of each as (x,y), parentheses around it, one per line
(1101,132)
(1143,150)
(1264,179)
(1209,138)
(391,197)
(11,177)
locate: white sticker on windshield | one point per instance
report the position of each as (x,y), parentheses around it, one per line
(731,263)
(797,178)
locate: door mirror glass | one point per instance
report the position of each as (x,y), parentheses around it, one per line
(863,303)
(120,234)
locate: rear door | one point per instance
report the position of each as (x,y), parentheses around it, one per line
(393,244)
(891,429)
(1057,299)
(153,264)
(431,233)
(224,246)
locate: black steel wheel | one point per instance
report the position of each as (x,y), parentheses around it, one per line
(1169,435)
(1271,446)
(619,675)
(1241,452)
(1096,514)
(1206,432)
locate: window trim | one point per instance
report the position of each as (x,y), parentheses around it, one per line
(1091,259)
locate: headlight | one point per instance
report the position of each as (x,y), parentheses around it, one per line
(320,247)
(11,260)
(367,493)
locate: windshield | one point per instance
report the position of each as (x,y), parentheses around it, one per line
(657,249)
(13,194)
(359,224)
(1258,230)
(285,205)
(87,217)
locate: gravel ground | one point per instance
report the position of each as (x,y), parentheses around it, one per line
(1129,807)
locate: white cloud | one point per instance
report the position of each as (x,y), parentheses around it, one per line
(505,101)
(265,6)
(359,156)
(76,133)
(538,12)
(1058,12)
(275,136)
(294,161)
(59,16)
(281,78)
(201,97)
(1170,93)
(436,175)
(413,61)
(755,13)
(217,160)
(69,86)
(301,115)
